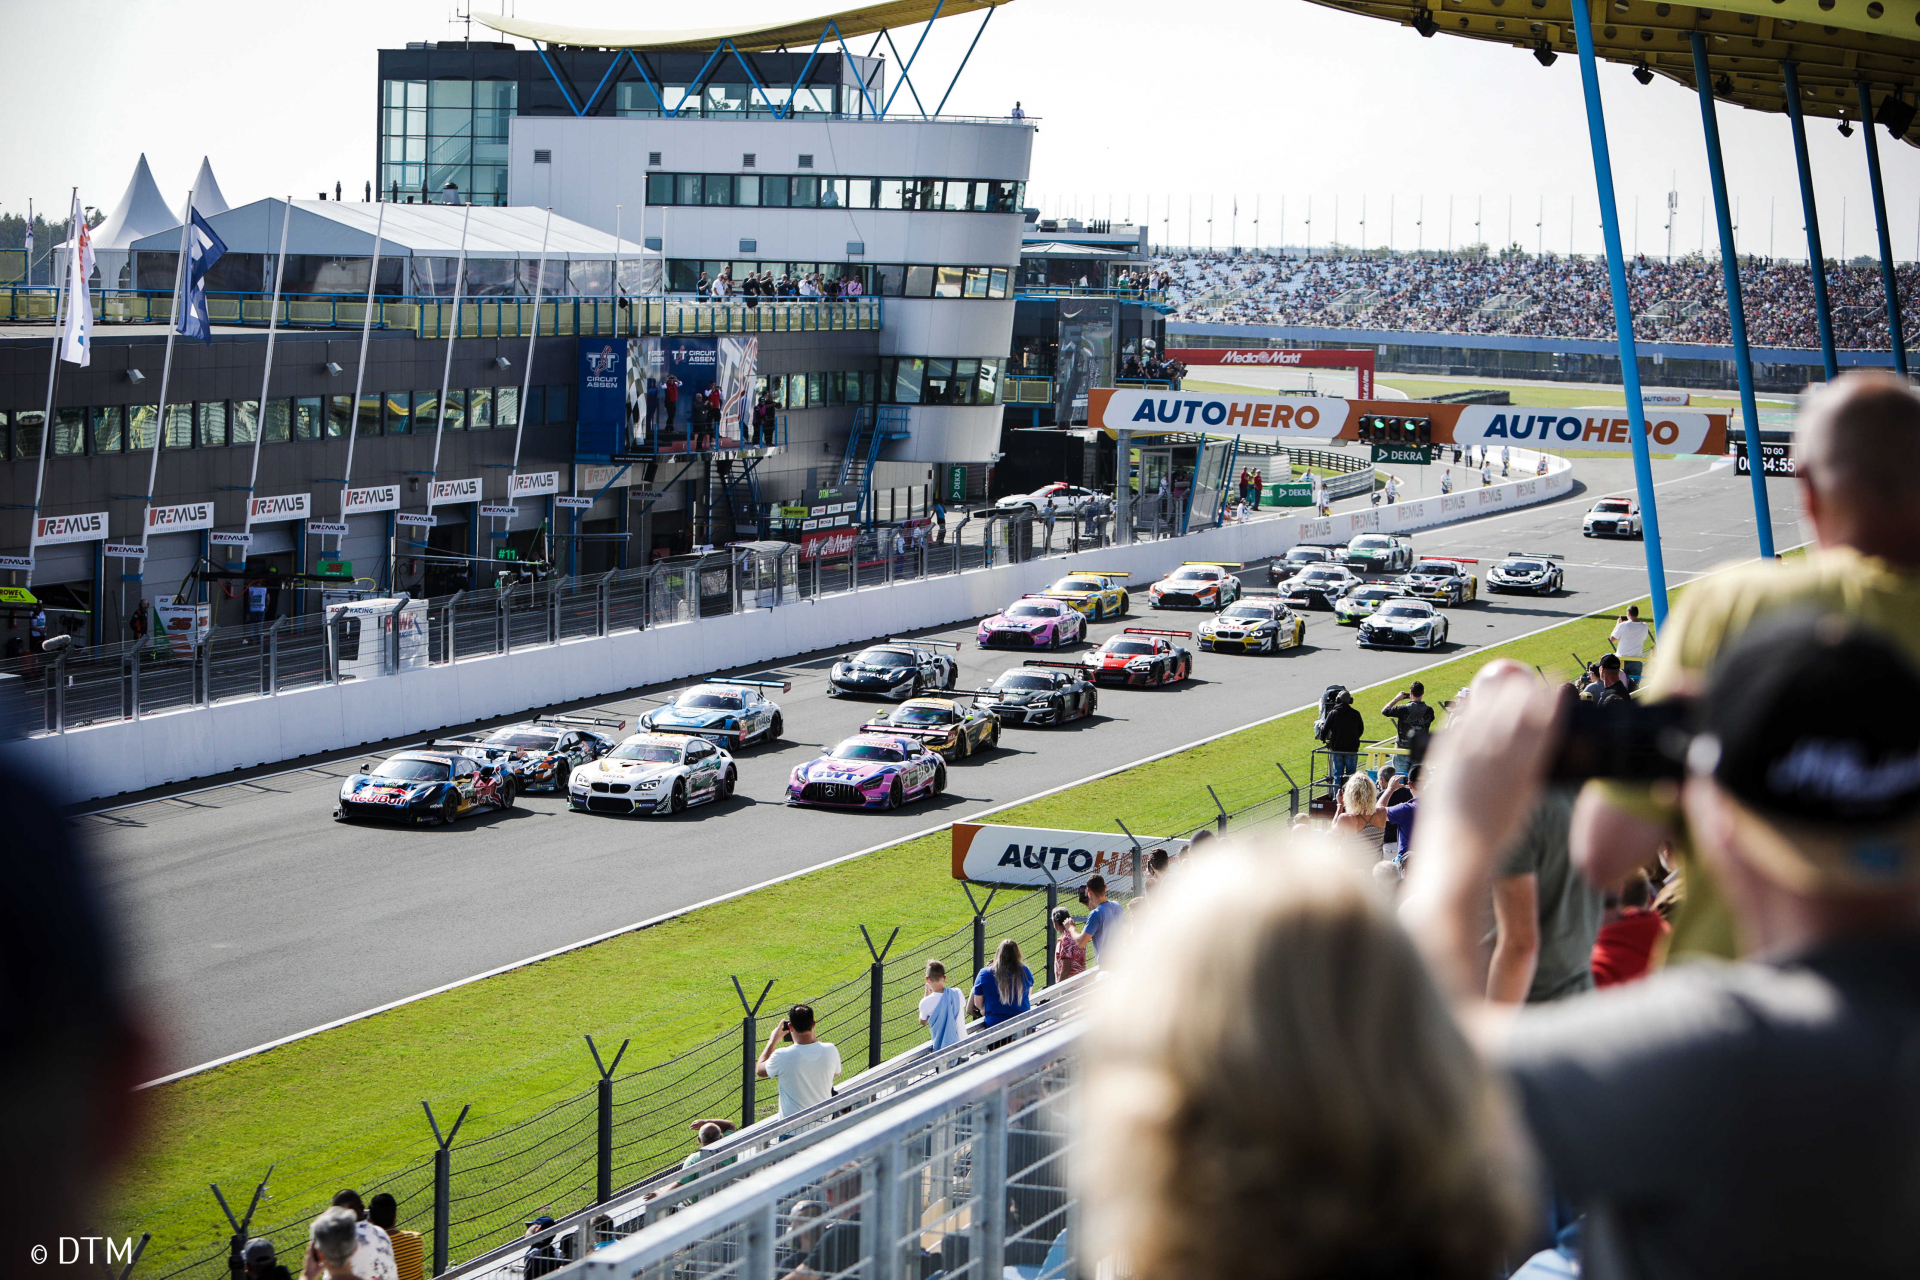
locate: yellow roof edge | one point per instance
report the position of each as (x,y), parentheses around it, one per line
(750,38)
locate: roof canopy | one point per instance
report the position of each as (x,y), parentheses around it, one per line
(345,229)
(141,211)
(760,38)
(1063,249)
(1834,42)
(207,197)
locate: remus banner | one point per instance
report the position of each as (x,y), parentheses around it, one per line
(1027,856)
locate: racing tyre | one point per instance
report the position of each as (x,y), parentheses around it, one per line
(965,748)
(450,810)
(561,777)
(939,781)
(1093,704)
(677,798)
(896,795)
(953,675)
(993,739)
(725,790)
(1126,602)
(507,793)
(1099,611)
(775,729)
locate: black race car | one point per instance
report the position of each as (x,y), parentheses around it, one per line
(898,669)
(1537,572)
(1318,586)
(542,754)
(1299,558)
(1041,693)
(435,782)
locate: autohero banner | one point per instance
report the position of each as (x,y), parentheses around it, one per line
(1026,857)
(1252,416)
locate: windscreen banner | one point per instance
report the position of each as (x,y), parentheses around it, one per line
(699,365)
(1085,358)
(1027,856)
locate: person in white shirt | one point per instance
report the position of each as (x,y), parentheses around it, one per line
(806,1069)
(1393,490)
(1630,639)
(373,1248)
(1446,482)
(940,1009)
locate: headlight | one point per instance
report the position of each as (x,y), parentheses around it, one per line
(650,784)
(1140,664)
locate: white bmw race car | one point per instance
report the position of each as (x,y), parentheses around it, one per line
(660,773)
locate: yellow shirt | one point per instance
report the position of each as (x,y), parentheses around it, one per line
(409,1254)
(1710,614)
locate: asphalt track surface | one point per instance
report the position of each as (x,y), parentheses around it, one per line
(255,916)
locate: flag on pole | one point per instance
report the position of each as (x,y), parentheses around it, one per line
(76,339)
(29,279)
(204,248)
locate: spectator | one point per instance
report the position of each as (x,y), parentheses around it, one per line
(1342,731)
(373,1257)
(1631,934)
(137,622)
(940,520)
(1157,862)
(1357,811)
(1606,684)
(1069,946)
(1545,916)
(1413,721)
(257,1260)
(409,1250)
(942,1009)
(1629,640)
(1401,814)
(1780,1087)
(256,601)
(1103,917)
(1004,989)
(1446,480)
(1018,114)
(1230,1126)
(542,1258)
(653,403)
(332,1246)
(806,1069)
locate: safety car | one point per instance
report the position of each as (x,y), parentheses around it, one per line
(1141,656)
(1258,625)
(869,771)
(1361,600)
(1281,568)
(1612,518)
(952,728)
(1040,692)
(1095,593)
(1032,622)
(1319,586)
(1404,623)
(542,753)
(1536,571)
(660,773)
(1379,553)
(435,782)
(723,711)
(898,669)
(1443,579)
(1196,585)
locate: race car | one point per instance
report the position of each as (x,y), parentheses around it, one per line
(1032,622)
(1318,587)
(1196,585)
(898,669)
(1361,600)
(540,754)
(1379,553)
(660,773)
(1066,498)
(1094,593)
(1613,518)
(953,729)
(1298,558)
(1039,692)
(869,771)
(1534,571)
(723,712)
(1441,578)
(1141,656)
(1404,624)
(1262,625)
(437,781)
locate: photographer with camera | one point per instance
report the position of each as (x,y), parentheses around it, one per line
(806,1069)
(1413,716)
(1780,1087)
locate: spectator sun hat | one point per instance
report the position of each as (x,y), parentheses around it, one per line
(1811,726)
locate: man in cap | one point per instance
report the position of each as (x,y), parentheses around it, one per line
(1780,1088)
(258,1261)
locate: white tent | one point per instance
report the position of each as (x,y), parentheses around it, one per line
(141,212)
(206,194)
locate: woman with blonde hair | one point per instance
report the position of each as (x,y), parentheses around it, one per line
(1359,810)
(1289,1098)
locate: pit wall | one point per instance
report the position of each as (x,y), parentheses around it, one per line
(181,746)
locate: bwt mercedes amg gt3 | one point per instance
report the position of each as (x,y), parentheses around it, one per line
(1032,622)
(869,771)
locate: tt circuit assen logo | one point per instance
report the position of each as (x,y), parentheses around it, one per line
(600,363)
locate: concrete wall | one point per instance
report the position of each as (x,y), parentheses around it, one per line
(132,755)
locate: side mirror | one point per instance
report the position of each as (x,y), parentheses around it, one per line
(365,767)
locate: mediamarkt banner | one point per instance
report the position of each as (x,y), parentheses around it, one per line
(1026,856)
(1360,360)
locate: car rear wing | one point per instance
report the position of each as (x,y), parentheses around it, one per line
(1539,555)
(1451,559)
(1099,573)
(1214,564)
(926,644)
(456,745)
(907,730)
(678,731)
(784,686)
(579,721)
(1050,662)
(1156,631)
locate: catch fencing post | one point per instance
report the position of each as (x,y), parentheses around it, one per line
(1293,791)
(1139,860)
(877,977)
(442,1183)
(603,1183)
(1053,902)
(270,641)
(749,1027)
(239,1225)
(979,928)
(133,1256)
(59,720)
(1219,823)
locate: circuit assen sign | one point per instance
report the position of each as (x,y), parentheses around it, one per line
(1027,856)
(1360,360)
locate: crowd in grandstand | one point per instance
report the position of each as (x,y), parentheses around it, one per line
(1544,296)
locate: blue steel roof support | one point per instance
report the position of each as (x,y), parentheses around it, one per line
(751,78)
(611,68)
(1816,257)
(699,83)
(646,76)
(907,66)
(555,73)
(1888,280)
(857,77)
(801,79)
(963,62)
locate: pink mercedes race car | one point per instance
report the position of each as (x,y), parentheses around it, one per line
(869,771)
(1032,622)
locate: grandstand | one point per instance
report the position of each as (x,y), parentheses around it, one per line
(1521,295)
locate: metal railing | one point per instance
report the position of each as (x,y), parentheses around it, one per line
(503,317)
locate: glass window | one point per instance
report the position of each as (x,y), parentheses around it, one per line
(986,391)
(480,408)
(949,281)
(179,432)
(309,418)
(997,287)
(534,411)
(659,188)
(919,282)
(213,424)
(887,279)
(867,387)
(726,100)
(717,188)
(833,193)
(862,193)
(965,374)
(678,100)
(906,379)
(339,417)
(687,188)
(398,412)
(426,411)
(635,98)
(977,282)
(926,193)
(506,406)
(956,197)
(816,390)
(110,429)
(143,422)
(369,417)
(557,400)
(888,193)
(939,382)
(242,427)
(5,435)
(456,410)
(746,189)
(27,425)
(70,431)
(775,192)
(278,427)
(806,192)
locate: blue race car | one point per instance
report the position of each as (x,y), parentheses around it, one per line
(434,782)
(728,713)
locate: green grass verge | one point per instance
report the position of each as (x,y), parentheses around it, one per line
(342,1108)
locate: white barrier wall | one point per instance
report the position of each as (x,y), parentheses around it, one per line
(132,755)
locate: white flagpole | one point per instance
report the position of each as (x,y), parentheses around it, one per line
(446,370)
(166,370)
(526,375)
(53,369)
(360,374)
(266,374)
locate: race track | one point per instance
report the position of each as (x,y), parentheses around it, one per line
(255,916)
